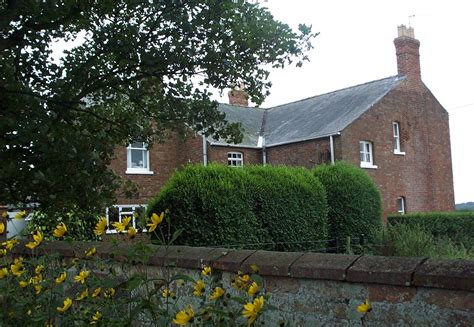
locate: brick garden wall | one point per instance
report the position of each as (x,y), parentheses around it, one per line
(312,289)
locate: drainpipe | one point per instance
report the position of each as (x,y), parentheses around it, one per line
(204,151)
(331,144)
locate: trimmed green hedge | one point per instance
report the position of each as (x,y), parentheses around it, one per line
(257,207)
(458,226)
(355,205)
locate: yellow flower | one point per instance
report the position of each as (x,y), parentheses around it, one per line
(23,283)
(96,292)
(38,289)
(9,244)
(83,295)
(36,279)
(365,307)
(20,215)
(60,230)
(2,228)
(17,267)
(241,282)
(39,269)
(199,287)
(3,252)
(132,232)
(253,289)
(81,278)
(61,278)
(121,226)
(3,273)
(91,252)
(251,310)
(206,271)
(101,226)
(37,239)
(218,292)
(167,293)
(184,316)
(254,268)
(109,293)
(5,215)
(67,304)
(96,317)
(155,221)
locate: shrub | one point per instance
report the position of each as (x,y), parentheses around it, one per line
(414,241)
(80,223)
(458,226)
(354,201)
(221,206)
(291,204)
(212,205)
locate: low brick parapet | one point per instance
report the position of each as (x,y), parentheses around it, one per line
(396,271)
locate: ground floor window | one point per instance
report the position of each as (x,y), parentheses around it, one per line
(235,159)
(401,205)
(118,212)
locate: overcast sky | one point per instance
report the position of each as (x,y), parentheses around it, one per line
(355,46)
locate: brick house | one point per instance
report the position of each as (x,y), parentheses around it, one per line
(393,128)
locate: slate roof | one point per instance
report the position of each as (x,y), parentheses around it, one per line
(309,118)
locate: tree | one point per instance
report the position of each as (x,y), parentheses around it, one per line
(144,68)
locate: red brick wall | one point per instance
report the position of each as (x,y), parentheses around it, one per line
(218,154)
(424,175)
(306,154)
(165,159)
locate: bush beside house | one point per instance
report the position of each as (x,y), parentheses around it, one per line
(457,226)
(276,208)
(355,205)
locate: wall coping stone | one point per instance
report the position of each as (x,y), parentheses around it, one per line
(400,271)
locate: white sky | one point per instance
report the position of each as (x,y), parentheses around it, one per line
(355,46)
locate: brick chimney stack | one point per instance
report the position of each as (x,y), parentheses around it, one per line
(238,96)
(408,54)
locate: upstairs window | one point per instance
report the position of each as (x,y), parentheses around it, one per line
(366,154)
(235,159)
(401,205)
(138,158)
(396,139)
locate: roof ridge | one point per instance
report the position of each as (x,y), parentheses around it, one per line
(338,90)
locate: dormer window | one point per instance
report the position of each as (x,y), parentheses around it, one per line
(235,159)
(138,158)
(396,139)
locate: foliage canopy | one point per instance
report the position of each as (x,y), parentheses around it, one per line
(141,69)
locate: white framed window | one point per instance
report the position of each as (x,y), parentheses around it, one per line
(235,159)
(401,205)
(138,158)
(366,154)
(117,212)
(396,139)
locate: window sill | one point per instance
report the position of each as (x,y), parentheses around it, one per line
(398,153)
(368,165)
(138,172)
